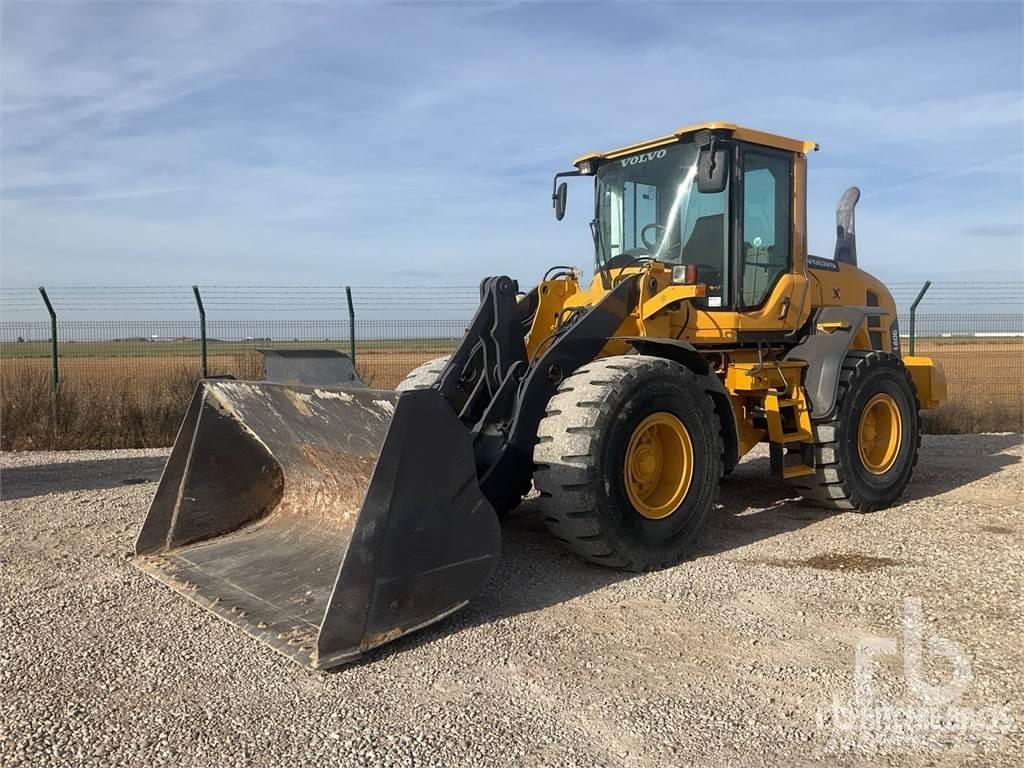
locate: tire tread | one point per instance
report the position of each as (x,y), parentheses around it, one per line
(565,455)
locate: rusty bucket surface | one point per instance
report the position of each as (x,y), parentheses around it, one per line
(322,521)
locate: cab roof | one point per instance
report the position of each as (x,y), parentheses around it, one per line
(737,131)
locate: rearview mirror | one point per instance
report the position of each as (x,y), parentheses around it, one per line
(712,169)
(558,201)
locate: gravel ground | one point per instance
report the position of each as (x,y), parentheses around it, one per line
(736,657)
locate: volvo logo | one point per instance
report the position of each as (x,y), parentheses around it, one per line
(637,159)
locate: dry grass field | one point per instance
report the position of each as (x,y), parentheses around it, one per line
(110,399)
(986,385)
(119,401)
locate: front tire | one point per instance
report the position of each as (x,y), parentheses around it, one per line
(628,462)
(866,453)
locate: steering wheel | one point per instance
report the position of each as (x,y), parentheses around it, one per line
(643,235)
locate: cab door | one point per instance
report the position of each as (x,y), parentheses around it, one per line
(768,290)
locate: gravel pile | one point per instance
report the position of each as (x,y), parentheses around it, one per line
(735,657)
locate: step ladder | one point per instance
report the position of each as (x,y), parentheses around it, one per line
(776,406)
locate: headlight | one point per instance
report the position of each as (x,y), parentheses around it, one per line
(684,274)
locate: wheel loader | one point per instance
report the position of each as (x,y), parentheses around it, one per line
(326,519)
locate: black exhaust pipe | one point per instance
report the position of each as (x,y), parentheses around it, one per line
(846,236)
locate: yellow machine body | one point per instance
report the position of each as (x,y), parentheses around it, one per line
(666,311)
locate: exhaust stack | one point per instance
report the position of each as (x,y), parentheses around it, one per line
(846,236)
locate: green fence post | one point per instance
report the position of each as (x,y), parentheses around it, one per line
(202,330)
(351,325)
(913,311)
(53,337)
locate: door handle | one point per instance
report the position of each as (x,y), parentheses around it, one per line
(785,308)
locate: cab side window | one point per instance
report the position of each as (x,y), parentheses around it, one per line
(767,199)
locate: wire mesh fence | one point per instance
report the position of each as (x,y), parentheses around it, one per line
(140,371)
(387,350)
(133,353)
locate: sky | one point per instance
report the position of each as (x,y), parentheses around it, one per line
(387,143)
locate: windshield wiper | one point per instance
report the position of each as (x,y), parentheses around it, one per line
(602,260)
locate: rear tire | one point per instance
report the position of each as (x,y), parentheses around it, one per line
(865,454)
(588,486)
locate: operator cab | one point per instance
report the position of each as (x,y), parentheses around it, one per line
(657,201)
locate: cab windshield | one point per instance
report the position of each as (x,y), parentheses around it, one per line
(648,207)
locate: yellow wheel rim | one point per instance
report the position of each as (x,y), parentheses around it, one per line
(659,465)
(880,434)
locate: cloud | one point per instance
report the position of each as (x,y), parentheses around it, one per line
(419,274)
(112,194)
(197,142)
(1010,229)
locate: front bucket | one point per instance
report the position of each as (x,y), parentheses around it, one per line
(322,521)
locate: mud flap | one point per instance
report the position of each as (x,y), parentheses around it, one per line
(321,521)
